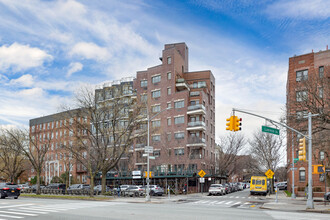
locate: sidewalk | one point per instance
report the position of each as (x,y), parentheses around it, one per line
(153,199)
(298,204)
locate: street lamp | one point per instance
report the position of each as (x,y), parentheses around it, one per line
(148,180)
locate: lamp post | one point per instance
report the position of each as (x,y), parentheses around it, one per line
(148,141)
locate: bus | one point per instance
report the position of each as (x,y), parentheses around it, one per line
(258,185)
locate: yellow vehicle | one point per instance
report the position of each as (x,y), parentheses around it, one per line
(258,185)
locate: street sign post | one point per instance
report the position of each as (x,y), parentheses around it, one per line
(270,130)
(201,173)
(269,173)
(148,149)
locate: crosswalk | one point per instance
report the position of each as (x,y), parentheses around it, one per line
(20,211)
(223,203)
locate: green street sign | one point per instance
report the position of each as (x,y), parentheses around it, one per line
(295,160)
(270,130)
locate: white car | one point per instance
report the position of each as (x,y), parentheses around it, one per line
(217,189)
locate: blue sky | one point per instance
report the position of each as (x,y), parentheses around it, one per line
(50,48)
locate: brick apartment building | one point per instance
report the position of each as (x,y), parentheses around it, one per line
(308,91)
(183,137)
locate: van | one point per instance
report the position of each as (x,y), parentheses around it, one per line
(258,185)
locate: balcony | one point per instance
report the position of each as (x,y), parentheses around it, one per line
(181,84)
(196,156)
(196,142)
(196,109)
(196,126)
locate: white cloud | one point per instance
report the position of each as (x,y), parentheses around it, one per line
(90,51)
(31,93)
(74,67)
(24,81)
(302,9)
(21,57)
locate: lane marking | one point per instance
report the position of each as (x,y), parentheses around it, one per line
(29,211)
(38,209)
(10,206)
(220,202)
(228,202)
(237,203)
(29,214)
(11,216)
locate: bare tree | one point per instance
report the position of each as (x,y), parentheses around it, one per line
(102,130)
(267,149)
(12,159)
(229,147)
(33,146)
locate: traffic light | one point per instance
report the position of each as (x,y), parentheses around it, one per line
(146,174)
(237,123)
(230,124)
(318,169)
(302,149)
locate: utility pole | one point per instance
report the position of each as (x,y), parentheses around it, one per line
(293,195)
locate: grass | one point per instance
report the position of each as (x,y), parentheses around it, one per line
(288,194)
(98,198)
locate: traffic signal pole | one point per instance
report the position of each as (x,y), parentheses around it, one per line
(310,203)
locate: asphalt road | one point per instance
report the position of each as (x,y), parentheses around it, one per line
(233,206)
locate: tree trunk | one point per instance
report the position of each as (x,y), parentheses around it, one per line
(104,180)
(91,192)
(38,183)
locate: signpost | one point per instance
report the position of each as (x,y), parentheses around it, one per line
(270,130)
(201,173)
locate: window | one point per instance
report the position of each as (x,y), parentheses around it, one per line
(169,75)
(156,108)
(179,135)
(321,92)
(144,98)
(169,136)
(169,91)
(155,94)
(301,96)
(179,120)
(321,71)
(169,60)
(156,153)
(144,83)
(179,104)
(302,175)
(169,121)
(202,84)
(301,75)
(169,105)
(155,123)
(178,152)
(301,114)
(321,155)
(155,138)
(156,79)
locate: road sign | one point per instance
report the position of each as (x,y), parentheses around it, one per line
(136,177)
(201,173)
(295,160)
(293,168)
(327,170)
(269,173)
(148,149)
(270,130)
(201,180)
(152,157)
(136,173)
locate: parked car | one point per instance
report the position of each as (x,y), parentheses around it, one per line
(227,188)
(98,188)
(282,185)
(124,187)
(34,187)
(78,187)
(240,186)
(155,190)
(134,191)
(9,190)
(61,186)
(217,189)
(327,196)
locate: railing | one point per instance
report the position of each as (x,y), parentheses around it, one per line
(195,107)
(196,140)
(194,93)
(180,80)
(196,123)
(195,156)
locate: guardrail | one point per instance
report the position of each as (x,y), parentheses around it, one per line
(62,192)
